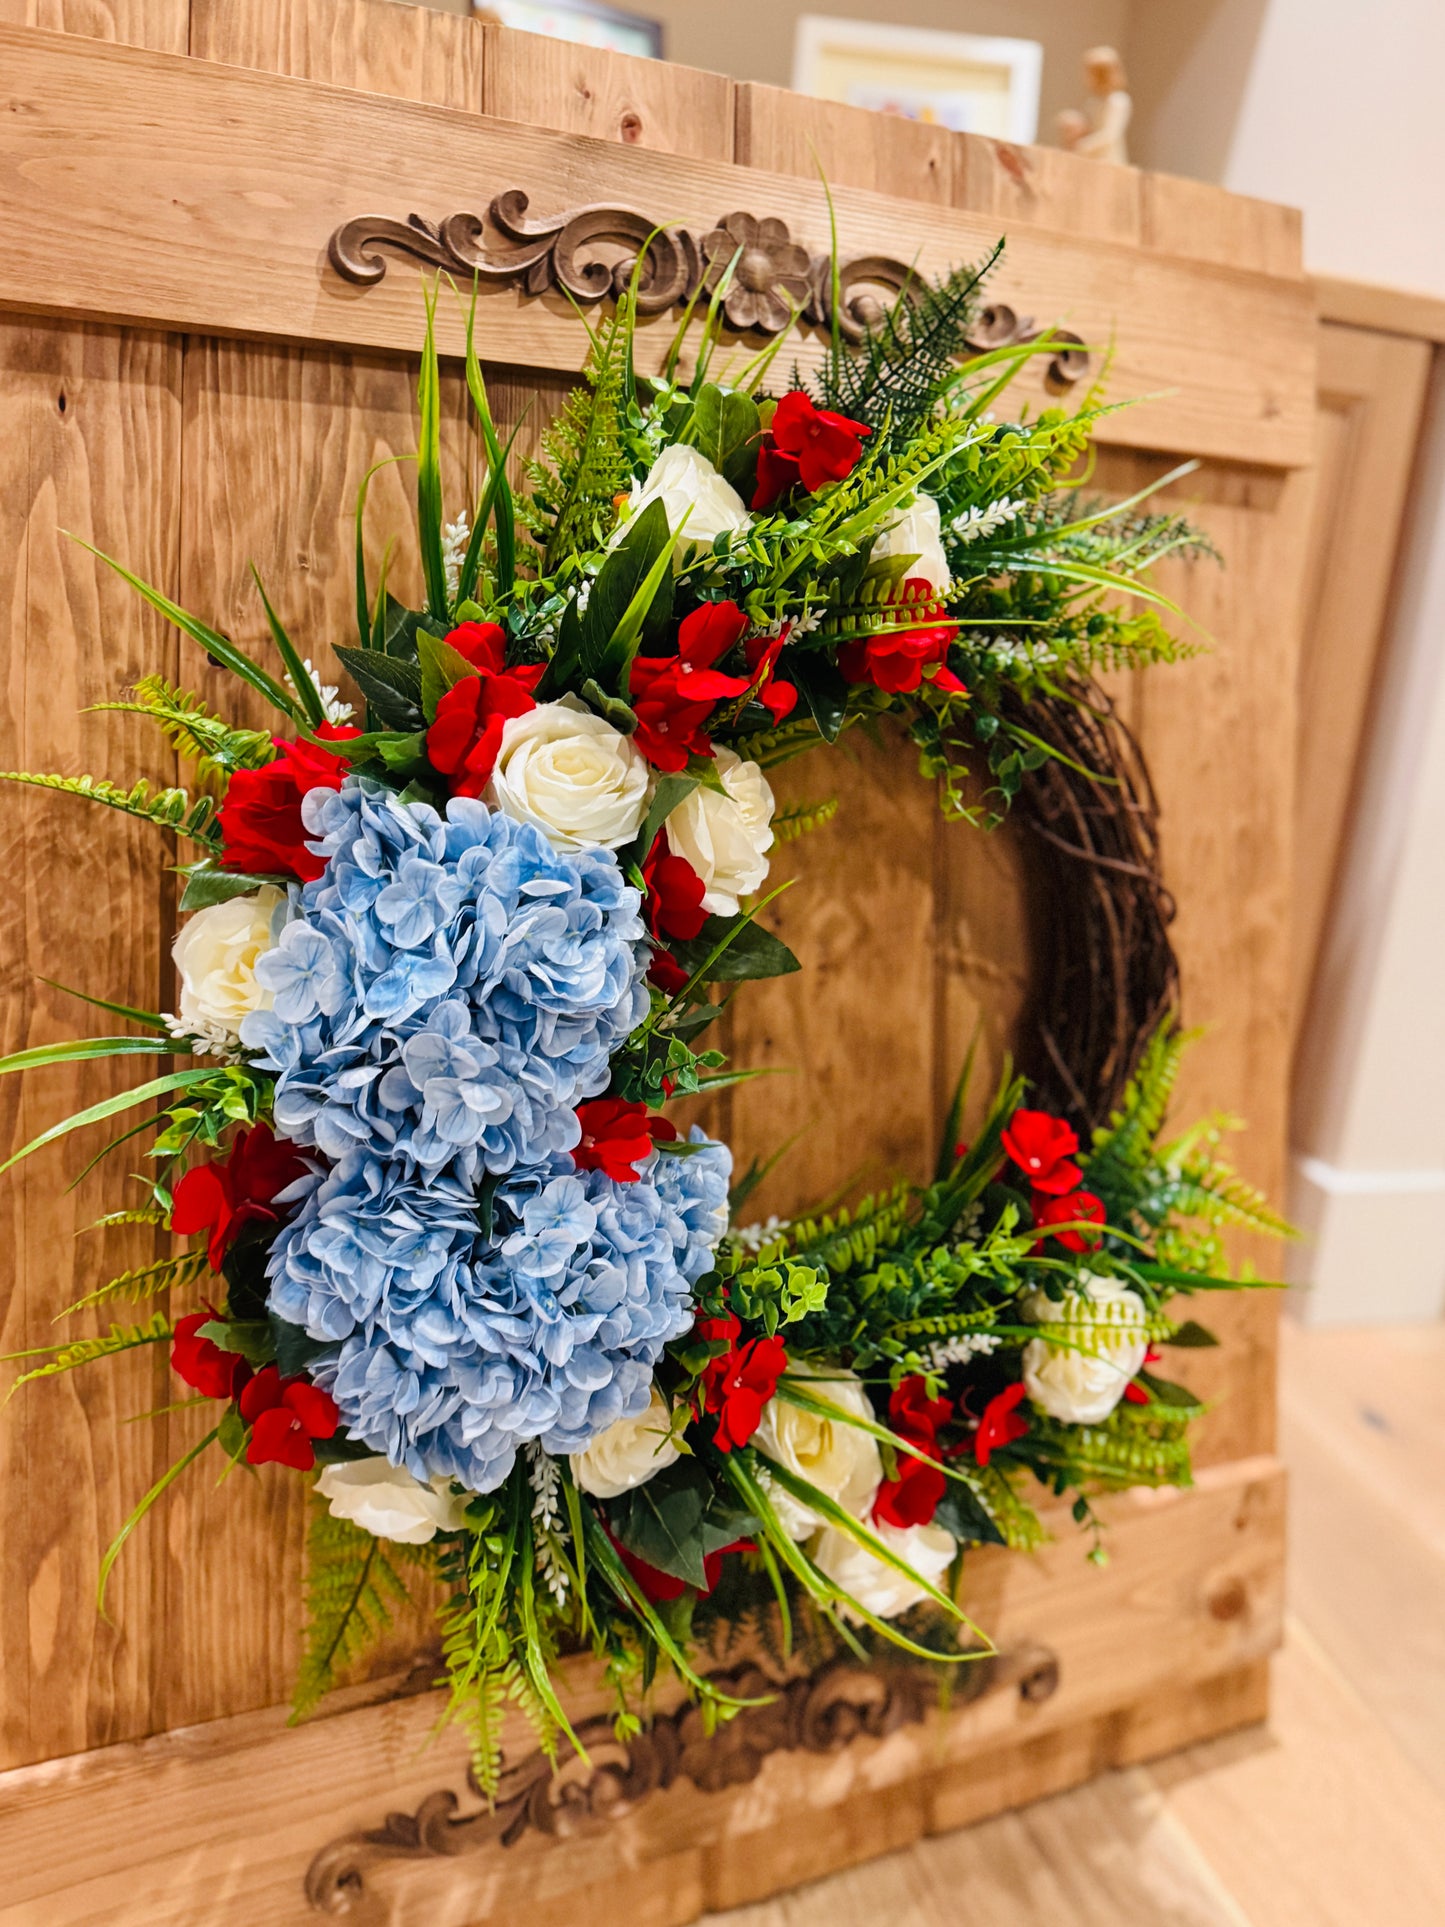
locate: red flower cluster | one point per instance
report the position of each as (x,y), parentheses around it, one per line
(616,1136)
(260,819)
(738,1383)
(202,1363)
(285,1415)
(466,733)
(1002,1423)
(777,697)
(806,445)
(912,1498)
(673,909)
(897,659)
(1043,1148)
(675,695)
(224,1195)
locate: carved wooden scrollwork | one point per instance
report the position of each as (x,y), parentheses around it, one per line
(590,254)
(822,1713)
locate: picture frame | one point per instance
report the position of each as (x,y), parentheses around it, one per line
(970,83)
(590,23)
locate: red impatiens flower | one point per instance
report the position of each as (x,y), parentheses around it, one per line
(1078,1206)
(805,444)
(260,818)
(617,1135)
(673,696)
(484,644)
(896,659)
(202,1363)
(465,737)
(777,697)
(1002,1423)
(285,1415)
(912,1498)
(674,893)
(224,1195)
(667,973)
(1042,1147)
(738,1383)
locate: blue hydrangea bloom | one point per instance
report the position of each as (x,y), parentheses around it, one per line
(452,1351)
(449,989)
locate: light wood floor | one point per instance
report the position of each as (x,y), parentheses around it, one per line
(1333,1815)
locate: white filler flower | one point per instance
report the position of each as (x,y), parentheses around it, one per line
(386,1501)
(628,1453)
(726,838)
(572,774)
(1080,1382)
(216,953)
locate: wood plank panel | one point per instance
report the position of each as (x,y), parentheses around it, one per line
(1048,186)
(1372,400)
(159,24)
(227,218)
(415,53)
(609,96)
(90,443)
(1193,218)
(1192,1595)
(851,146)
(276,442)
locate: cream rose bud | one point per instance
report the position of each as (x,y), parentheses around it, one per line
(726,838)
(628,1453)
(917,531)
(1081,1382)
(688,486)
(386,1501)
(216,953)
(840,1459)
(572,774)
(878,1587)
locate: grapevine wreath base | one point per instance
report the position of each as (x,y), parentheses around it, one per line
(446,962)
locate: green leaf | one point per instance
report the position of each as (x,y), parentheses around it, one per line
(497,501)
(661,1520)
(963,1513)
(1192,1336)
(293,1347)
(621,715)
(751,952)
(390,684)
(108,1107)
(823,691)
(151,1019)
(442,668)
(166,1479)
(211,640)
(78,1049)
(250,1337)
(363,620)
(307,693)
(206,884)
(670,791)
(429,513)
(726,427)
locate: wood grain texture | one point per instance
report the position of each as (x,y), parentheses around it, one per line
(1149,1625)
(608,96)
(90,443)
(159,24)
(1046,186)
(1371,405)
(415,53)
(1391,311)
(267,165)
(852,147)
(1195,219)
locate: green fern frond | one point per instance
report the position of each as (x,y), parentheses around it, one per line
(802,820)
(584,464)
(351,1589)
(1213,1192)
(193,729)
(85,1351)
(1123,1149)
(151,1214)
(168,809)
(146,1281)
(1020,1525)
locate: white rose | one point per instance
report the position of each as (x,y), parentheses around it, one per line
(628,1453)
(687,485)
(840,1459)
(386,1501)
(216,954)
(726,838)
(1082,1383)
(573,775)
(917,531)
(929,1550)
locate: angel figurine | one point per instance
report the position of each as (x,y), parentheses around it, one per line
(1100,130)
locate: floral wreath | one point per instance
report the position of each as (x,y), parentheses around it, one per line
(440,976)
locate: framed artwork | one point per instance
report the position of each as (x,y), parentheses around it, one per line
(972,83)
(588,21)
